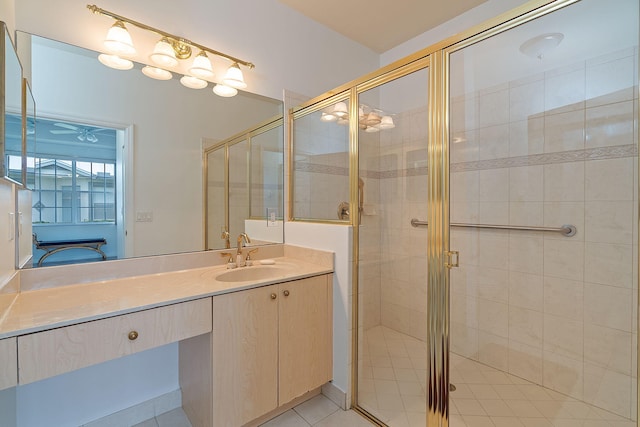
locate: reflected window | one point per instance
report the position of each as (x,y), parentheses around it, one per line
(71,192)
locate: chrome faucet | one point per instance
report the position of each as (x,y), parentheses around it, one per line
(246,238)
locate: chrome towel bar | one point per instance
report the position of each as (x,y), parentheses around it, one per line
(567,229)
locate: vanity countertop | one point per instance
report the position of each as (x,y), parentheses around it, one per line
(37,310)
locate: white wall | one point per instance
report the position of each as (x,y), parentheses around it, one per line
(99,390)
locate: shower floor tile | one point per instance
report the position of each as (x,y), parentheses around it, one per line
(393,375)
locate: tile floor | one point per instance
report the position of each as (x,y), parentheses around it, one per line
(393,374)
(318,412)
(391,387)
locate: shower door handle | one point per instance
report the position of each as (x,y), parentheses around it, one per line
(451,256)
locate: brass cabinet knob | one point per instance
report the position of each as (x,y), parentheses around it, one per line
(274,296)
(286,293)
(133,335)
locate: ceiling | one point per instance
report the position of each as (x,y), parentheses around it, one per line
(380,24)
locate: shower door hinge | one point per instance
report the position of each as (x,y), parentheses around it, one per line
(453,259)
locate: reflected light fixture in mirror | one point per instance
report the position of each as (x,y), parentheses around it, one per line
(156,73)
(114,61)
(193,82)
(225,91)
(369,119)
(167,53)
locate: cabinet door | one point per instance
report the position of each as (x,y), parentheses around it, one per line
(9,364)
(305,336)
(245,355)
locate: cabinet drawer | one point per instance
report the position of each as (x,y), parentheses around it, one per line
(45,354)
(9,364)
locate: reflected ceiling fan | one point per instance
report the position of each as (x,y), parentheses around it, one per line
(84,134)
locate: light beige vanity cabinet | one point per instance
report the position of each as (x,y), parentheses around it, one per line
(45,354)
(269,346)
(9,365)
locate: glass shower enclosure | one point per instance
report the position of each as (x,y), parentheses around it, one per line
(511,298)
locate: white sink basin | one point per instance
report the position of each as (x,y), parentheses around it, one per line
(253,273)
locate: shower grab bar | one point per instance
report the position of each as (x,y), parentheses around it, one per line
(567,229)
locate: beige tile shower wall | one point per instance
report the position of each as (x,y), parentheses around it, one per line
(556,148)
(403,195)
(321,167)
(370,245)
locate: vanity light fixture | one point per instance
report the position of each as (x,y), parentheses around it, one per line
(167,53)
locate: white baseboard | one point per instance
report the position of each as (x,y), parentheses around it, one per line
(140,412)
(336,395)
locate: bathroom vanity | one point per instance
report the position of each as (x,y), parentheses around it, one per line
(252,341)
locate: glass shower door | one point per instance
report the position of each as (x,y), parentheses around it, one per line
(543,138)
(392,261)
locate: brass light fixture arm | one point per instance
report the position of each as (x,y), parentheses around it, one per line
(179,40)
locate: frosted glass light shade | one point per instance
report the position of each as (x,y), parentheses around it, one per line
(386,123)
(163,54)
(372,119)
(340,109)
(118,41)
(156,73)
(224,90)
(201,66)
(234,77)
(325,117)
(193,82)
(115,62)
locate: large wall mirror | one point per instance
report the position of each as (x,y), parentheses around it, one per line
(247,170)
(120,155)
(11,145)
